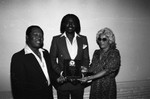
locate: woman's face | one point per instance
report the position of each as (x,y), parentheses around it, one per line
(103,42)
(70,26)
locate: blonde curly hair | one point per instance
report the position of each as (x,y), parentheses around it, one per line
(108,32)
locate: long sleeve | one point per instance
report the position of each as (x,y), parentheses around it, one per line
(54,56)
(17,75)
(94,62)
(109,63)
(113,62)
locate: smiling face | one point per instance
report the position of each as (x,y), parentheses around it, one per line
(35,38)
(103,42)
(70,26)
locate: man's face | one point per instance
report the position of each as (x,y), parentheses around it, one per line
(35,39)
(70,26)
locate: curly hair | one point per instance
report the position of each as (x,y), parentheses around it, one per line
(109,33)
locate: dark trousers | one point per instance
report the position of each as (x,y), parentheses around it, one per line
(46,93)
(74,94)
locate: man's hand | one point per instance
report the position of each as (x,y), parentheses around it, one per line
(84,69)
(61,79)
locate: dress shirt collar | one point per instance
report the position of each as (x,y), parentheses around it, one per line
(64,34)
(28,50)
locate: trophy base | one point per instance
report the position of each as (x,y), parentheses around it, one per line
(73,80)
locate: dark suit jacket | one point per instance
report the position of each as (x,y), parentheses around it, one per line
(59,51)
(27,78)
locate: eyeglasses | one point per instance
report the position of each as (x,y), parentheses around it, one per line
(102,39)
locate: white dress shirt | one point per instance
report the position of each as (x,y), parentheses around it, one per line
(40,61)
(72,47)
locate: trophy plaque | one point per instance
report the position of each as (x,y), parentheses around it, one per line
(72,69)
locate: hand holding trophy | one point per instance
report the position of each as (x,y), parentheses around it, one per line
(84,70)
(85,75)
(61,79)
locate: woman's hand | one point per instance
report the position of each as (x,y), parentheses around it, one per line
(84,79)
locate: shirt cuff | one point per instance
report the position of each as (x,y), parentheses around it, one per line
(61,73)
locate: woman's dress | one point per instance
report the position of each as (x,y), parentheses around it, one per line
(105,87)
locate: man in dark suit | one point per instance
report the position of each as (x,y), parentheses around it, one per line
(70,45)
(31,68)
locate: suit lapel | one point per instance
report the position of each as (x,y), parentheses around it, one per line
(46,57)
(34,64)
(79,42)
(63,47)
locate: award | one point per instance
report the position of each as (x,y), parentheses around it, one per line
(72,70)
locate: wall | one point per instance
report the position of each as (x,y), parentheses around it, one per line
(129,19)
